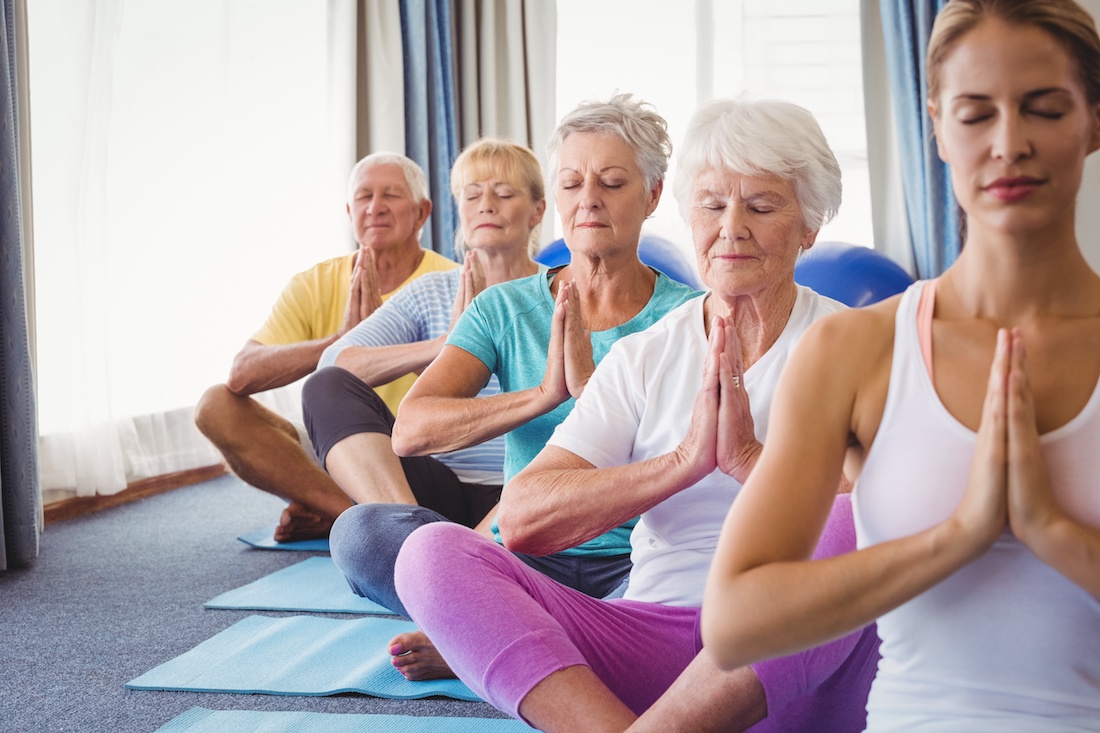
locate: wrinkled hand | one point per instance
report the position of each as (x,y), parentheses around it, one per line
(698,449)
(554,383)
(737,447)
(365,297)
(983,512)
(577,343)
(471,281)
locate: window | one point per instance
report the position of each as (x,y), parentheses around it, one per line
(677,55)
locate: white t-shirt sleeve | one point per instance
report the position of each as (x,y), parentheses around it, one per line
(604,422)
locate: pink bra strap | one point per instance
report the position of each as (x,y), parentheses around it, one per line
(925,308)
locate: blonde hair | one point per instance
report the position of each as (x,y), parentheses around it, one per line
(1065,20)
(503,160)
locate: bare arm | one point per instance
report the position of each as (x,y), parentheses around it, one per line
(561,500)
(258,368)
(381,363)
(764,598)
(442,411)
(377,365)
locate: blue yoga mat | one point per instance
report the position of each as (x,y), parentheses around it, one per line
(297,655)
(201,720)
(264,539)
(315,585)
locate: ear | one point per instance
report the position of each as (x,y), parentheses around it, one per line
(536,217)
(347,208)
(1094,141)
(809,237)
(654,197)
(932,113)
(425,212)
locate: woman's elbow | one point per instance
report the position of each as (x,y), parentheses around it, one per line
(406,440)
(719,637)
(515,533)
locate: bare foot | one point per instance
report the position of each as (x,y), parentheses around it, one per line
(416,657)
(298,523)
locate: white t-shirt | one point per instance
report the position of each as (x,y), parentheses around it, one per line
(638,405)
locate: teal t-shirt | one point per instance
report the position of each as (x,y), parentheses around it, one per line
(507,327)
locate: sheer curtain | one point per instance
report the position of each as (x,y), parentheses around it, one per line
(190,157)
(20,511)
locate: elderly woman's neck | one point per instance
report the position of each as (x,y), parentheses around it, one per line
(503,265)
(611,292)
(759,317)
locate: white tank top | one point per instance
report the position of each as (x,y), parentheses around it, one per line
(1006,643)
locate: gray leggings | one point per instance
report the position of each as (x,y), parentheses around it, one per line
(366,538)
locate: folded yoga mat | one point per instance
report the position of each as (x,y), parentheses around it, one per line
(264,539)
(201,720)
(315,584)
(297,655)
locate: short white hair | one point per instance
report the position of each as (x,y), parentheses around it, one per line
(762,137)
(633,120)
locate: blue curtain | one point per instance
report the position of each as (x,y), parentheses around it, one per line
(431,130)
(19,508)
(929,201)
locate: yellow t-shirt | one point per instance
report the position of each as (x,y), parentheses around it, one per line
(312,306)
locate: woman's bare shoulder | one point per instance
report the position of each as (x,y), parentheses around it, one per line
(855,332)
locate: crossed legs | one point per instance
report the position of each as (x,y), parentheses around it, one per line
(263,448)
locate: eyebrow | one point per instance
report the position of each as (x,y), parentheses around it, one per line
(601,171)
(1034,94)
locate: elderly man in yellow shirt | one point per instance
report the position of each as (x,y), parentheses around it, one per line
(388,205)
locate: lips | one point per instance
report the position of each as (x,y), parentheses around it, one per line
(1013,189)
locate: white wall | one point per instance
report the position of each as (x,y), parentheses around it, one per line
(1088,201)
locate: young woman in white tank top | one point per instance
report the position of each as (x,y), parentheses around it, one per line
(978,505)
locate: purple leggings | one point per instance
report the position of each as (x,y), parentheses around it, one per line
(503,628)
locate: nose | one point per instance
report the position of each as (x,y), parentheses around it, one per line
(734,223)
(486,204)
(590,194)
(1011,141)
(375,205)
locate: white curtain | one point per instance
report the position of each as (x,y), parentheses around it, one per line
(891,230)
(189,158)
(506,85)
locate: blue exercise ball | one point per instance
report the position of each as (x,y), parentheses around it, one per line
(854,275)
(657,252)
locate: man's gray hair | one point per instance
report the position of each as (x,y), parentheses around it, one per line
(414,174)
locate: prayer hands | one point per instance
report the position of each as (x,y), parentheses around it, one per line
(722,432)
(365,296)
(1009,483)
(569,362)
(471,282)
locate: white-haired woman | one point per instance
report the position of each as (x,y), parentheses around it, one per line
(758,181)
(541,337)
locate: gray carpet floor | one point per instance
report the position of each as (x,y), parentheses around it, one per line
(115,593)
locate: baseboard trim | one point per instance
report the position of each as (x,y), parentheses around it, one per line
(59,511)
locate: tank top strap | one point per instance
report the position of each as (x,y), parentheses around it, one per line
(925,308)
